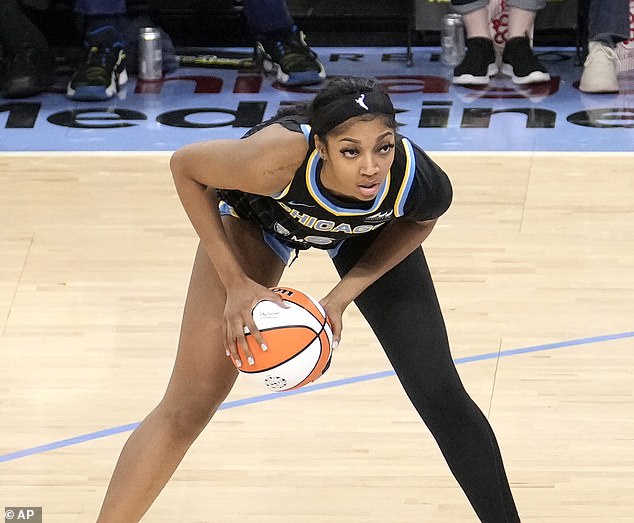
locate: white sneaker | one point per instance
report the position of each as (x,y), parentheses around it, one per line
(600,70)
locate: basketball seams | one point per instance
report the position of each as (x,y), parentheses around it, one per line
(291,326)
(305,343)
(312,313)
(319,363)
(317,334)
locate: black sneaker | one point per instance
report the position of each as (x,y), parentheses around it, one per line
(292,60)
(28,73)
(102,72)
(519,62)
(478,64)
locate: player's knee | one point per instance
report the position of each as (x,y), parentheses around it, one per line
(443,399)
(186,421)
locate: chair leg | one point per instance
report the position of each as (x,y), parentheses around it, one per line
(583,9)
(410,28)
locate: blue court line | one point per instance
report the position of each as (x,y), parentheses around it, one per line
(317,386)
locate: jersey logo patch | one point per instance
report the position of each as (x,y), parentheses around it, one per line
(280,229)
(361,102)
(380,216)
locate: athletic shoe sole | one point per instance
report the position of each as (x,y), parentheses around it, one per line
(469,79)
(600,90)
(95,93)
(532,78)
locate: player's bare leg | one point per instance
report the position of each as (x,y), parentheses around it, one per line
(201,380)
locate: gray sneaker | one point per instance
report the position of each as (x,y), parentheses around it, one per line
(600,70)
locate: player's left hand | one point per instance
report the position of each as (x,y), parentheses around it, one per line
(334,310)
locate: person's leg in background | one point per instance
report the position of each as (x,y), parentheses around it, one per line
(280,44)
(518,60)
(607,26)
(478,65)
(28,62)
(101,72)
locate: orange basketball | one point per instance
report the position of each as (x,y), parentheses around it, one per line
(299,341)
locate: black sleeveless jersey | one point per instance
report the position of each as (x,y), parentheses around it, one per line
(306,215)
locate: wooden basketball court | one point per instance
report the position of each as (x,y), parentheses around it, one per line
(536,253)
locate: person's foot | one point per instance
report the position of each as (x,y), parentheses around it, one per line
(519,62)
(293,62)
(102,72)
(478,64)
(600,70)
(29,72)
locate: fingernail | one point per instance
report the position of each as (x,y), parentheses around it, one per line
(238,363)
(251,360)
(335,344)
(264,347)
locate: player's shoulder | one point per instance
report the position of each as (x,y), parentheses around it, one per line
(278,140)
(273,154)
(408,149)
(406,143)
(297,123)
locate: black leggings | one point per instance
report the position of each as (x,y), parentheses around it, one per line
(403,311)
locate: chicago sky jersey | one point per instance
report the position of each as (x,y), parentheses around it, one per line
(306,215)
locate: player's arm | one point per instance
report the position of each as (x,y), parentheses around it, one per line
(397,241)
(263,163)
(428,198)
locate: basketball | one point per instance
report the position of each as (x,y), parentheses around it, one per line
(299,341)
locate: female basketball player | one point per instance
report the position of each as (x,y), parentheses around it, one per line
(339,178)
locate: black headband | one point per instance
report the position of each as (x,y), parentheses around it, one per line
(348,106)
